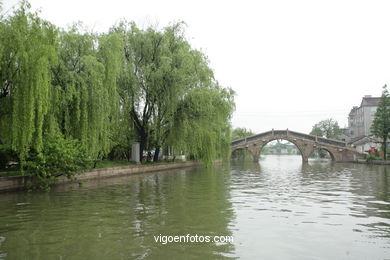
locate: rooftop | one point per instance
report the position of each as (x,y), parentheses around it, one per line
(370,101)
(363,140)
(353,111)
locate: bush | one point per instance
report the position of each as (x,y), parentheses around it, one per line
(372,157)
(59,156)
(120,152)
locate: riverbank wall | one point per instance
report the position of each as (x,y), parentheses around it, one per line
(20,182)
(376,162)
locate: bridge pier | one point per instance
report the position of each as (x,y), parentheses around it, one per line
(305,149)
(255,151)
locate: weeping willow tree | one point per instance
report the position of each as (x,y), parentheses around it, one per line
(28,49)
(70,94)
(110,54)
(202,127)
(84,85)
(159,68)
(58,92)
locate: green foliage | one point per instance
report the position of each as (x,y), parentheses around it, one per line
(238,133)
(84,84)
(243,155)
(328,128)
(58,157)
(154,77)
(319,153)
(381,124)
(113,163)
(202,128)
(92,95)
(27,52)
(168,90)
(372,157)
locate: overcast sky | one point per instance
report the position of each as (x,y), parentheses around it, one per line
(291,63)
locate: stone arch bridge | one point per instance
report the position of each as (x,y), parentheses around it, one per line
(338,150)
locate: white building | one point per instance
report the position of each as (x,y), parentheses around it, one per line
(360,118)
(364,144)
(359,125)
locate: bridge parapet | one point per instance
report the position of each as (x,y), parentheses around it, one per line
(279,132)
(238,142)
(303,136)
(258,136)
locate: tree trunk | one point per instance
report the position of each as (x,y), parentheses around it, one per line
(384,149)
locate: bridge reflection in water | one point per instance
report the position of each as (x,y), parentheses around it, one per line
(338,150)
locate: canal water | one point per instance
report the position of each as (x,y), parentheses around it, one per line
(277,209)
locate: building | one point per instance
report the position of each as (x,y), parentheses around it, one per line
(344,135)
(360,118)
(364,144)
(359,125)
(352,124)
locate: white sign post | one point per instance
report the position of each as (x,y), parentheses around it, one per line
(135,156)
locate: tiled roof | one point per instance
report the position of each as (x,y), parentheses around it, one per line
(355,139)
(363,139)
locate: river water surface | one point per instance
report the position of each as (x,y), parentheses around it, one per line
(277,209)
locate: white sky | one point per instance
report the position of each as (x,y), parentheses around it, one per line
(291,63)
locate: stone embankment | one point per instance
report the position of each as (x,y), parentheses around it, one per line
(377,162)
(20,182)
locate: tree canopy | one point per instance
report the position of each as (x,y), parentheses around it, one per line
(163,83)
(381,124)
(328,128)
(239,132)
(101,92)
(27,51)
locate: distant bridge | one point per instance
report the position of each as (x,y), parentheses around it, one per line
(338,150)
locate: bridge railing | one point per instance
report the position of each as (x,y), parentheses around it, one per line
(238,142)
(301,135)
(319,139)
(258,136)
(280,132)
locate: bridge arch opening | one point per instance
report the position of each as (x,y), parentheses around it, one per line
(321,153)
(281,146)
(241,154)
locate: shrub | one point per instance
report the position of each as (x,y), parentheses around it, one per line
(59,156)
(372,157)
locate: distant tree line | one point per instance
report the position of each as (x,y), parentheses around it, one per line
(328,128)
(71,96)
(241,132)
